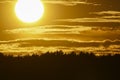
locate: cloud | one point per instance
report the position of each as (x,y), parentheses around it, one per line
(59,43)
(6,1)
(116,29)
(76,32)
(69,2)
(115,15)
(107,13)
(88,20)
(63,2)
(49,29)
(30,46)
(101,18)
(98,21)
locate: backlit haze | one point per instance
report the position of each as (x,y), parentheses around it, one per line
(68,25)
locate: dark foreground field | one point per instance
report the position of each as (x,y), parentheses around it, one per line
(58,66)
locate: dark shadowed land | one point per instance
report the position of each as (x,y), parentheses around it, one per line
(60,66)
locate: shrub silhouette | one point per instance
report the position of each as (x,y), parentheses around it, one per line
(60,66)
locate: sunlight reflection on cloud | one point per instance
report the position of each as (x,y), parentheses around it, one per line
(25,47)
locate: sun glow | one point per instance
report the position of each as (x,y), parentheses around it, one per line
(29,11)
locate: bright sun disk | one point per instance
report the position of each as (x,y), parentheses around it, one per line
(29,11)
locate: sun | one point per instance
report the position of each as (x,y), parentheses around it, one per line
(29,11)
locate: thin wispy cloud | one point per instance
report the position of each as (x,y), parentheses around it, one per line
(69,2)
(57,42)
(7,1)
(76,32)
(101,17)
(88,20)
(107,13)
(40,45)
(50,29)
(62,2)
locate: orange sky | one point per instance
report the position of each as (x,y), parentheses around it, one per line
(91,24)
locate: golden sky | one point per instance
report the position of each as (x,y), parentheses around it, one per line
(91,25)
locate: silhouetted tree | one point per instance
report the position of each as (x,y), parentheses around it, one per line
(60,66)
